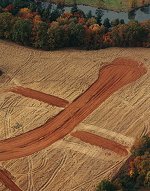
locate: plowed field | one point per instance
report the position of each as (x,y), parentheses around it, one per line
(104,93)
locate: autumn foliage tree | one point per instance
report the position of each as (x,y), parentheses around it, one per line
(129,35)
(136,172)
(94,37)
(50,28)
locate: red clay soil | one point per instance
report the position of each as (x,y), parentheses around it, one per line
(6,180)
(101,142)
(46,98)
(111,78)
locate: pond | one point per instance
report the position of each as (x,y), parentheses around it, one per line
(140,14)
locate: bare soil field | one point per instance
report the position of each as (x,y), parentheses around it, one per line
(111,78)
(69,163)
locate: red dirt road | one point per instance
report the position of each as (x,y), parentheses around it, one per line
(46,98)
(101,142)
(6,180)
(111,78)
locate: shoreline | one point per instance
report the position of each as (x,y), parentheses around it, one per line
(105,8)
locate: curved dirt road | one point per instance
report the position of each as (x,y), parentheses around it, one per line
(111,78)
(101,142)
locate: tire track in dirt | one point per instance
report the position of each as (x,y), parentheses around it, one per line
(7,120)
(145,130)
(29,59)
(99,174)
(57,170)
(43,164)
(101,142)
(111,78)
(30,185)
(6,180)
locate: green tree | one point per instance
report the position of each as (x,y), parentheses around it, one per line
(147,180)
(89,15)
(99,13)
(1,10)
(122,21)
(60,7)
(55,37)
(6,24)
(76,34)
(127,182)
(40,7)
(20,3)
(46,13)
(146,26)
(139,181)
(142,145)
(74,8)
(115,22)
(130,35)
(4,3)
(33,6)
(106,185)
(22,31)
(106,23)
(40,36)
(56,13)
(131,15)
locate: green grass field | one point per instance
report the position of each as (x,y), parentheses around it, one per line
(112,3)
(117,5)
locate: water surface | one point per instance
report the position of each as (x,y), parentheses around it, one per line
(140,14)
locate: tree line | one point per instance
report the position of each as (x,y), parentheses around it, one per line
(49,28)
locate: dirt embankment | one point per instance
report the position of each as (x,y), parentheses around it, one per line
(46,98)
(111,78)
(6,180)
(101,142)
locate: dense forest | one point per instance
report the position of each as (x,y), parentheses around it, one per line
(29,23)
